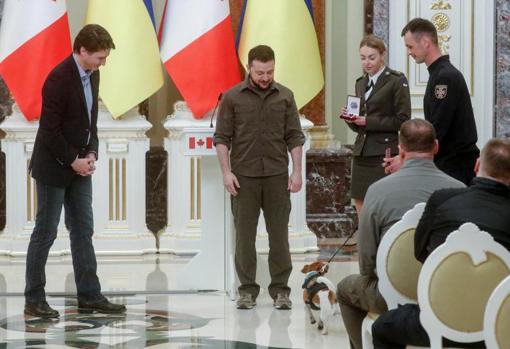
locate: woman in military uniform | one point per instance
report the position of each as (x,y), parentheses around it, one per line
(385,105)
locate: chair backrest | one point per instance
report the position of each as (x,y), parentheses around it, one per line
(496,323)
(455,284)
(397,268)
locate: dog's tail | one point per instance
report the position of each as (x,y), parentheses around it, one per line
(327,309)
(327,282)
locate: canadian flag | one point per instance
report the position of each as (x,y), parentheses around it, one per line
(198,51)
(200,142)
(34,38)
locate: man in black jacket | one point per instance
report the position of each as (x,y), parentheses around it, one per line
(446,103)
(63,160)
(485,203)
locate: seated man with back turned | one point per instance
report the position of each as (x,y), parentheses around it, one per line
(485,203)
(386,202)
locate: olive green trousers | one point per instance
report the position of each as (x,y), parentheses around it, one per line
(270,195)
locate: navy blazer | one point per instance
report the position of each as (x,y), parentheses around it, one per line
(64,126)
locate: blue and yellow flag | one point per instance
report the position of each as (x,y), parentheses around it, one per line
(287,26)
(133,70)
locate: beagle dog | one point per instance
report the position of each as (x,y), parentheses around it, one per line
(319,295)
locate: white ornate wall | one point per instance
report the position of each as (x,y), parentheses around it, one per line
(466,33)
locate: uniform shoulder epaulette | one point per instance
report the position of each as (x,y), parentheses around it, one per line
(361,77)
(394,72)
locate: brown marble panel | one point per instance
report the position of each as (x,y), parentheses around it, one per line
(369,16)
(156,168)
(5,101)
(328,212)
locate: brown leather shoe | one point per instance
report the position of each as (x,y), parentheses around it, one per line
(41,309)
(103,306)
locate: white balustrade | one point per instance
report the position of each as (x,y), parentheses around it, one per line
(118,187)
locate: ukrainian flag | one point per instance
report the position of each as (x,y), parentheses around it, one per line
(287,27)
(133,70)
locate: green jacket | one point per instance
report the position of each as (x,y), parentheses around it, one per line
(386,108)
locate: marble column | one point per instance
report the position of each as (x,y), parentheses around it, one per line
(5,109)
(381,16)
(502,69)
(377,20)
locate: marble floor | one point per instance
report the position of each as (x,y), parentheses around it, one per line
(159,314)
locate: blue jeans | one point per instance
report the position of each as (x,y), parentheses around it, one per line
(77,200)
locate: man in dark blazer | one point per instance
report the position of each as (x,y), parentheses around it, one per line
(63,160)
(486,203)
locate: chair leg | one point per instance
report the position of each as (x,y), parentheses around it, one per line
(366,333)
(436,342)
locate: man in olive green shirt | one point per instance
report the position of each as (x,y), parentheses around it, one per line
(259,124)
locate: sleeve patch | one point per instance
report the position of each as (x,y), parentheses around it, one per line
(440,91)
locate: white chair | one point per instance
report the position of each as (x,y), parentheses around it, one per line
(496,323)
(397,268)
(455,283)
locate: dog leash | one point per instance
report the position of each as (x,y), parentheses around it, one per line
(342,246)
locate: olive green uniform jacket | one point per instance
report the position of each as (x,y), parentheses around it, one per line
(386,108)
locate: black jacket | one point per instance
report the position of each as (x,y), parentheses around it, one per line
(485,203)
(386,108)
(64,126)
(447,105)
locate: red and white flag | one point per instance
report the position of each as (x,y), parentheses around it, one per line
(34,38)
(195,142)
(198,51)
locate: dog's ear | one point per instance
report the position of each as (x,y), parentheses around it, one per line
(312,266)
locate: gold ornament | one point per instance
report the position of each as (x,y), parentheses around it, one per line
(441,21)
(444,43)
(440,5)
